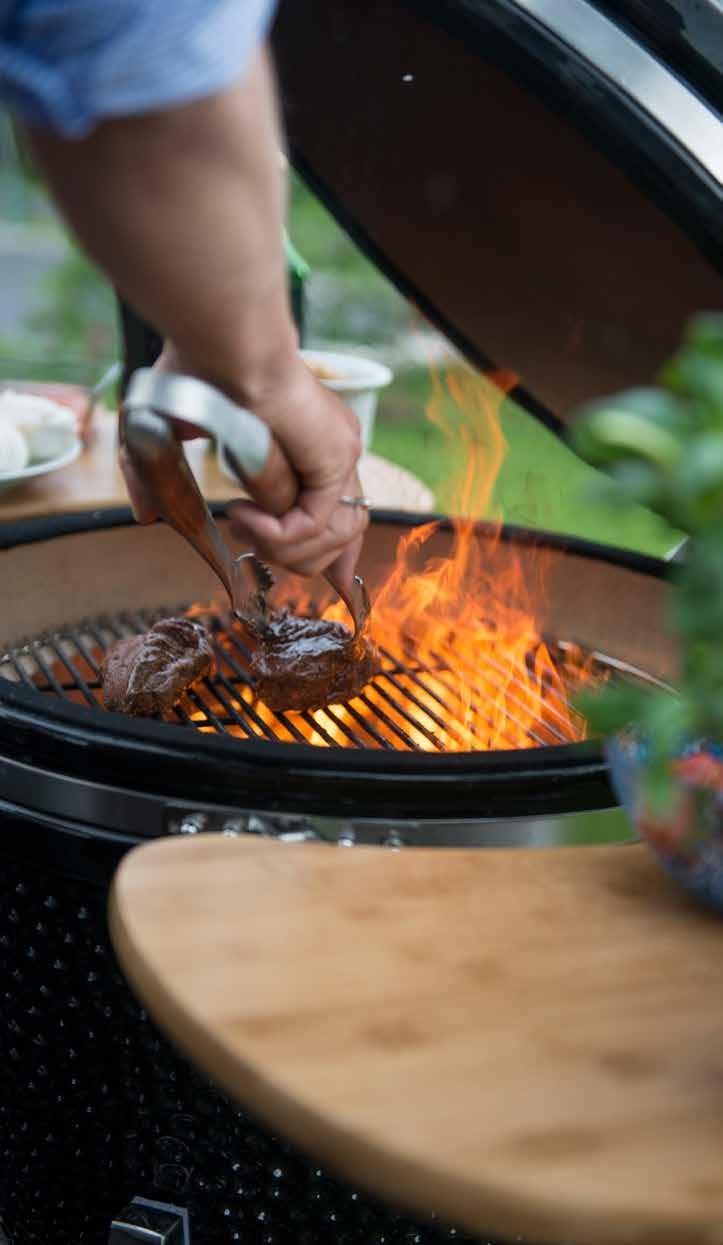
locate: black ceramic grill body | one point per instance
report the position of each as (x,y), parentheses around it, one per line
(97,1108)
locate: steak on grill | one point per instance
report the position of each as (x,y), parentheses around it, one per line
(307,663)
(148,674)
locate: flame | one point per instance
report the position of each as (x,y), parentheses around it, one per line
(483,677)
(464,664)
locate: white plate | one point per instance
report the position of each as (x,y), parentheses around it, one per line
(9,479)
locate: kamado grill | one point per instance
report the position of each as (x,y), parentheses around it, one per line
(543,181)
(411,757)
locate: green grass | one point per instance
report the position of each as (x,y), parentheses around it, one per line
(541,484)
(349,299)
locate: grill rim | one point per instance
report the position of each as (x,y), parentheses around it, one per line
(31,531)
(283,777)
(160,758)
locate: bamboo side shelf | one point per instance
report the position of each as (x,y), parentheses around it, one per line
(528,1042)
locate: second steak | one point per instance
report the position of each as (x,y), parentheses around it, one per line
(147,674)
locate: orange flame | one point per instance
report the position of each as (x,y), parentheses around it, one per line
(461,639)
(465,666)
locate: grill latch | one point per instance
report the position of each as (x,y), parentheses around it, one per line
(153,1223)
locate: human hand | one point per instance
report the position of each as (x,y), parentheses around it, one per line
(296,519)
(320,441)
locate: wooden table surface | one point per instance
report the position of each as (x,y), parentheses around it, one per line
(528,1042)
(95,481)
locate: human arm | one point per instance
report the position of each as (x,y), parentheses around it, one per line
(183,209)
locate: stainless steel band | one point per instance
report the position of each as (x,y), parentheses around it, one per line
(101,808)
(200,404)
(637,74)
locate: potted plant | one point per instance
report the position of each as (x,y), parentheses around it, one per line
(663,447)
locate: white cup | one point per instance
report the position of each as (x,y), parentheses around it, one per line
(356,379)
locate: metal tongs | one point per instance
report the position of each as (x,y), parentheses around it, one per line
(153,399)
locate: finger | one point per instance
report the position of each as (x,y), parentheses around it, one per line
(308,559)
(269,539)
(314,511)
(276,487)
(301,562)
(308,517)
(342,563)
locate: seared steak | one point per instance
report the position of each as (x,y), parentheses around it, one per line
(306,663)
(148,674)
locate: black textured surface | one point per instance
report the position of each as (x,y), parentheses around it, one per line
(96,1108)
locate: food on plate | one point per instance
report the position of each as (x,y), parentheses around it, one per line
(148,674)
(14,453)
(49,429)
(322,372)
(306,663)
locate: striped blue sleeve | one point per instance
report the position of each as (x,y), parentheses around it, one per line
(69,64)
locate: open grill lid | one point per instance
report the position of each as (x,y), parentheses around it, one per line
(542,177)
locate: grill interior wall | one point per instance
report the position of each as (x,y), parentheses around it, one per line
(56,583)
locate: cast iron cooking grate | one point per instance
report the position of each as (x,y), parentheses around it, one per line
(412,706)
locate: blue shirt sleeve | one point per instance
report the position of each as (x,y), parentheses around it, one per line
(68,64)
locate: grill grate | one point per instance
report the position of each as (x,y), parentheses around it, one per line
(412,706)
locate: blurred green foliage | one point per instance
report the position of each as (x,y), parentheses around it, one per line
(348,298)
(73,335)
(664,446)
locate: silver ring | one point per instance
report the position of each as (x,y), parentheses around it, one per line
(363,502)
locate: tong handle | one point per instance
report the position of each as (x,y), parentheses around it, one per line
(249,445)
(162,465)
(154,397)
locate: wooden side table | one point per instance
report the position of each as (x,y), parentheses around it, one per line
(95,481)
(527,1042)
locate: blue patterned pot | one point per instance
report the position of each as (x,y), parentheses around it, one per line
(688,841)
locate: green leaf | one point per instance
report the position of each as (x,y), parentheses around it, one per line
(698,376)
(627,484)
(705,333)
(698,480)
(667,730)
(639,423)
(640,482)
(613,708)
(666,724)
(697,608)
(612,432)
(666,451)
